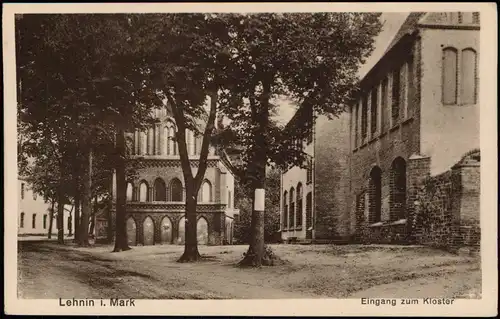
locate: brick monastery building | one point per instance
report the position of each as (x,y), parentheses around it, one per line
(156,197)
(410,142)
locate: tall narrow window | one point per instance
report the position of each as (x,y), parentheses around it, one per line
(364,118)
(449,85)
(176,191)
(160,190)
(299,205)
(21,222)
(285,210)
(229,199)
(309,221)
(129,192)
(409,86)
(136,142)
(374,111)
(170,144)
(468,78)
(292,208)
(45,221)
(396,87)
(151,141)
(143,143)
(199,141)
(384,106)
(33,221)
(309,170)
(190,142)
(143,192)
(206,195)
(22,190)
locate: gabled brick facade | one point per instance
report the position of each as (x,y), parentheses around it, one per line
(418,133)
(324,186)
(156,196)
(416,115)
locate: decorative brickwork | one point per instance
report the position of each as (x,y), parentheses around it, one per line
(154,234)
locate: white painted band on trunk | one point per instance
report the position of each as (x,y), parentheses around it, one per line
(259,197)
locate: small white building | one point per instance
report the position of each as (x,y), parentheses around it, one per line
(33,214)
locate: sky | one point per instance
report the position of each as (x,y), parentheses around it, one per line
(391,23)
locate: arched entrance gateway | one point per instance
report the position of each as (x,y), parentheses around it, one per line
(182,231)
(131,232)
(166,231)
(149,231)
(202,231)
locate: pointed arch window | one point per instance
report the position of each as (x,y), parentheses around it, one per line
(190,142)
(160,190)
(206,192)
(285,210)
(143,192)
(143,143)
(299,205)
(170,145)
(176,191)
(129,192)
(292,208)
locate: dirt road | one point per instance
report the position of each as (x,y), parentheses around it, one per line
(47,270)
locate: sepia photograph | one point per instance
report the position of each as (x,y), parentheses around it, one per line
(228,153)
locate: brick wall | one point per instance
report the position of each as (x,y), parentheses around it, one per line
(331,177)
(391,140)
(446,213)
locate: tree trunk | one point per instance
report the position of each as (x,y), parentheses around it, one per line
(191,252)
(256,250)
(110,230)
(77,207)
(93,217)
(121,243)
(257,169)
(51,216)
(86,199)
(60,218)
(70,223)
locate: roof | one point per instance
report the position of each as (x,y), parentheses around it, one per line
(408,26)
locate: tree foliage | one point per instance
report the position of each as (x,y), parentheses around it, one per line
(75,93)
(188,62)
(313,59)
